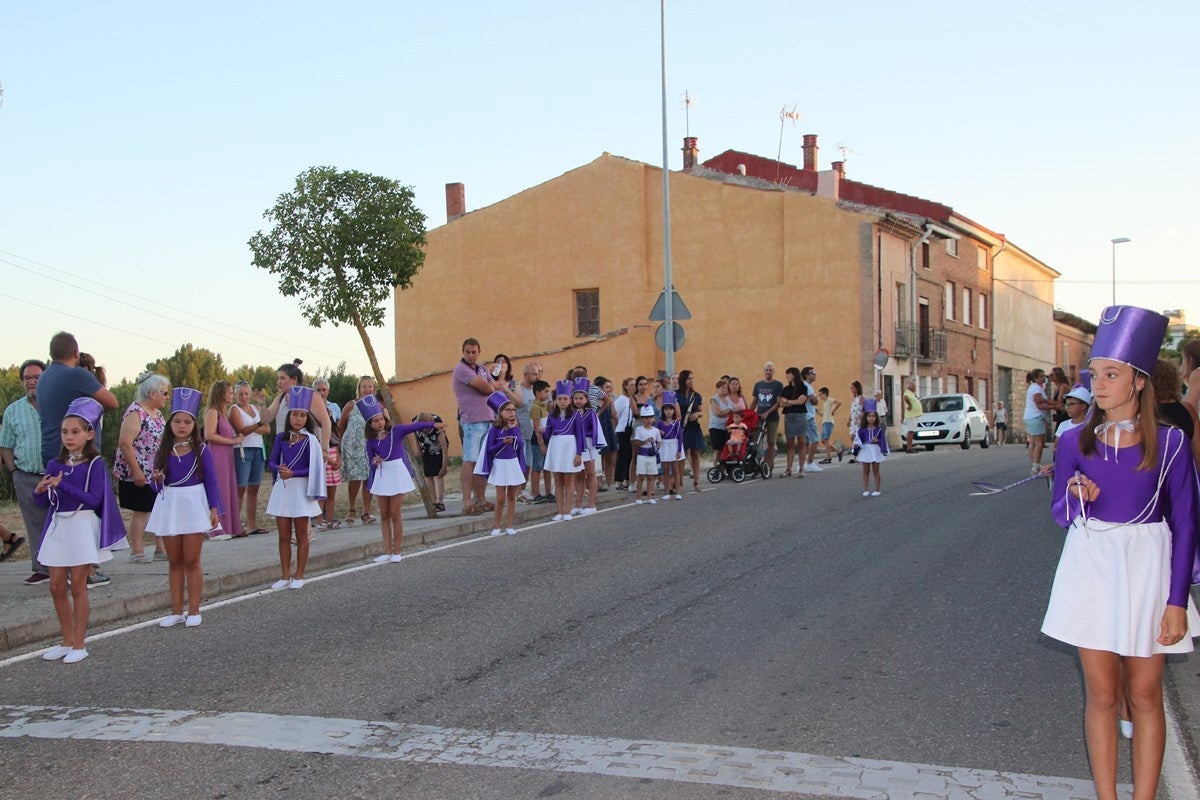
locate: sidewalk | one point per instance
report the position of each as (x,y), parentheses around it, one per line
(139,591)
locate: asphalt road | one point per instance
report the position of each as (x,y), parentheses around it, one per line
(786,615)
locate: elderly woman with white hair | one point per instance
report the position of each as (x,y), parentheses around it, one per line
(141,431)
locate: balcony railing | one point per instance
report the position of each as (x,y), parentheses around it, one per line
(920,342)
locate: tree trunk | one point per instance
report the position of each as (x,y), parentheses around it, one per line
(413,455)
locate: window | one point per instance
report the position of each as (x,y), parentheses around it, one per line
(966,311)
(902,310)
(982,310)
(1066,355)
(925,255)
(981,387)
(951,386)
(587,312)
(952,247)
(951,290)
(981,258)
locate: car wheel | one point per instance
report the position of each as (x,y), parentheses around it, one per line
(928,448)
(987,439)
(966,442)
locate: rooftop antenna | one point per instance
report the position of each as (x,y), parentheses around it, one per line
(688,102)
(788,117)
(846,152)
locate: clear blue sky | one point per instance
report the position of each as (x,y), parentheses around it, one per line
(140,142)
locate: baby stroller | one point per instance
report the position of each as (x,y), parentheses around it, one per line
(751,464)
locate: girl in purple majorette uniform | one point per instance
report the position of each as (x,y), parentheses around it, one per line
(670,451)
(870,445)
(299,468)
(188,505)
(83,527)
(563,439)
(502,460)
(1126,490)
(390,476)
(593,440)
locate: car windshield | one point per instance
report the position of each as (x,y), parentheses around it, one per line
(934,404)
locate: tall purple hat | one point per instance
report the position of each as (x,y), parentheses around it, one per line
(669,398)
(300,398)
(1085,379)
(369,407)
(87,410)
(581,385)
(496,401)
(869,405)
(1130,335)
(563,387)
(186,400)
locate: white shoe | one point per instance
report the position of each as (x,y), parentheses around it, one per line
(678,497)
(193,621)
(395,558)
(75,656)
(171,620)
(639,502)
(866,494)
(296,583)
(1126,727)
(652,501)
(632,489)
(383,558)
(557,518)
(875,494)
(589,510)
(666,497)
(282,583)
(56,652)
(496,532)
(575,512)
(511,531)
(220,537)
(813,468)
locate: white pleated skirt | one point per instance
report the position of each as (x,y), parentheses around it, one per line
(870,454)
(647,465)
(392,478)
(669,451)
(560,455)
(1111,588)
(290,500)
(505,472)
(178,510)
(73,540)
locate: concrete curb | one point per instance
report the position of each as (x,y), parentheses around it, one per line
(418,533)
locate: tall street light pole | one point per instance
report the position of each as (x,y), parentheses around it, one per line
(668,306)
(1115,242)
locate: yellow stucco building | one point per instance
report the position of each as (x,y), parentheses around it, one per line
(566,273)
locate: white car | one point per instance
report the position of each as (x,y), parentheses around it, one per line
(951,419)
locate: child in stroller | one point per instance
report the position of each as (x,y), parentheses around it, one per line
(741,456)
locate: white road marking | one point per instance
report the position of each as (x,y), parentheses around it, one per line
(241,598)
(1178,778)
(743,767)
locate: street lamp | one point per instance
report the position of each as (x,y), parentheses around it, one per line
(1115,242)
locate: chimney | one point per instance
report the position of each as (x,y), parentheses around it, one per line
(810,152)
(829,184)
(840,168)
(741,169)
(456,201)
(691,152)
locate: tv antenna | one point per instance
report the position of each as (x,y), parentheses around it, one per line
(788,117)
(688,102)
(847,152)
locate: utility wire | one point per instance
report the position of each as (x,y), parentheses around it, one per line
(140,335)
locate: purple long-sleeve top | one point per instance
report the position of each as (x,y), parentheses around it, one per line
(181,471)
(1132,496)
(293,456)
(83,486)
(503,443)
(589,424)
(564,426)
(391,446)
(670,430)
(874,435)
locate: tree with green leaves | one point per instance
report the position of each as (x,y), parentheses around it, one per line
(194,367)
(341,242)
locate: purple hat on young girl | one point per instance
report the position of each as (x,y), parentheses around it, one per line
(870,405)
(186,400)
(563,387)
(581,385)
(1130,335)
(369,407)
(496,401)
(669,398)
(87,410)
(300,398)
